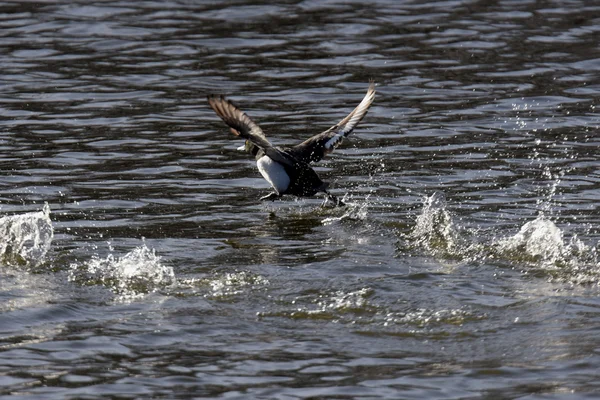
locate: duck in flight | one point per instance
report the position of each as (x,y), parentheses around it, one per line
(287,169)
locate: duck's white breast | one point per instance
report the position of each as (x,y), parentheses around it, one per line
(274,173)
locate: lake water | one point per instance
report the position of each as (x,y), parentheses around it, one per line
(138,262)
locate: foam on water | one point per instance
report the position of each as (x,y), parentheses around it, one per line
(137,273)
(25,239)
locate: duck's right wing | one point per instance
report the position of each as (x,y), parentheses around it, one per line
(316,147)
(238,121)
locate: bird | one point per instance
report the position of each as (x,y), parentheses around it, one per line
(288,169)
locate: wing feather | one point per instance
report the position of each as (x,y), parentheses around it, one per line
(316,147)
(238,121)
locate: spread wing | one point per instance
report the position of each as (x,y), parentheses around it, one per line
(239,122)
(315,148)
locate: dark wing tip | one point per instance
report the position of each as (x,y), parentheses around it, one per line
(213,98)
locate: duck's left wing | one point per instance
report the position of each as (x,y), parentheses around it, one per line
(239,122)
(315,148)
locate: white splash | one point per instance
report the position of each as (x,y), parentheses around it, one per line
(434,230)
(540,240)
(26,238)
(540,244)
(133,275)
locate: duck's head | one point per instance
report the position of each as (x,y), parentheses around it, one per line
(249,147)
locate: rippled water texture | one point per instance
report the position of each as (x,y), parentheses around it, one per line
(137,261)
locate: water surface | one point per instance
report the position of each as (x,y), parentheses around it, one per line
(464,267)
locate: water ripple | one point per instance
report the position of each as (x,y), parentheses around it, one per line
(158,272)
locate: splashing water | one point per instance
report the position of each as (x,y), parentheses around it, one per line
(352,211)
(548,192)
(435,230)
(538,245)
(539,241)
(25,239)
(132,276)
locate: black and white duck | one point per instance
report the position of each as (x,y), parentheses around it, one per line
(288,169)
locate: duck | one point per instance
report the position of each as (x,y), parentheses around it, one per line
(288,169)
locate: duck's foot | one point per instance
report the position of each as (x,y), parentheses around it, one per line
(271,196)
(329,198)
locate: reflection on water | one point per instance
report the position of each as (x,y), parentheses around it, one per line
(159,274)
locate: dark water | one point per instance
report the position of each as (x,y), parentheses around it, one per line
(464,267)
